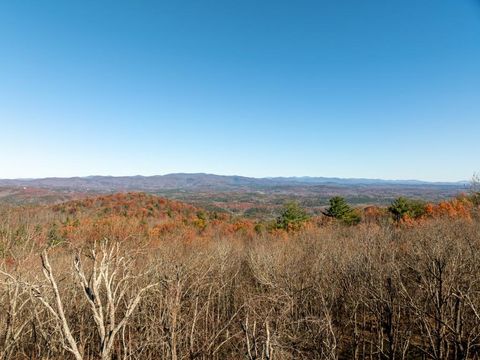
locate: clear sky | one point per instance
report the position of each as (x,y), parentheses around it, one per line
(347,88)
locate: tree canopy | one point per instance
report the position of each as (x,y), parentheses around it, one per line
(339,209)
(292,217)
(402,207)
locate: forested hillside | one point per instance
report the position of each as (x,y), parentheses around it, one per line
(137,276)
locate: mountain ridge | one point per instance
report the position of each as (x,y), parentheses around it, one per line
(193,181)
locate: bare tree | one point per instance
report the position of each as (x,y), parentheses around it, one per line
(110,287)
(56,308)
(475,188)
(13,319)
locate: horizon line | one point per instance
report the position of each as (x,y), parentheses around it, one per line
(236,175)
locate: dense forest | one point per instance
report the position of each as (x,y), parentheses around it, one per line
(136,276)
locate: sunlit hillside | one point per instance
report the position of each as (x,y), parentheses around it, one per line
(138,276)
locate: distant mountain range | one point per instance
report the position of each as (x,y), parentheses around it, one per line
(206,182)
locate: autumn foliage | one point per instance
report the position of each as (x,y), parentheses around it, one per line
(198,284)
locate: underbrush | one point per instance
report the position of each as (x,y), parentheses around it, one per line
(114,291)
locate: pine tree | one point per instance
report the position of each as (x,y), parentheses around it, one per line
(339,209)
(402,207)
(292,217)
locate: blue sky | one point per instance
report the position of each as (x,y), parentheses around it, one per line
(374,88)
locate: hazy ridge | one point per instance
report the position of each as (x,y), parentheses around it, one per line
(202,181)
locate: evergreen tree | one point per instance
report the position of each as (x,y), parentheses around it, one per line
(402,207)
(292,217)
(339,209)
(399,208)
